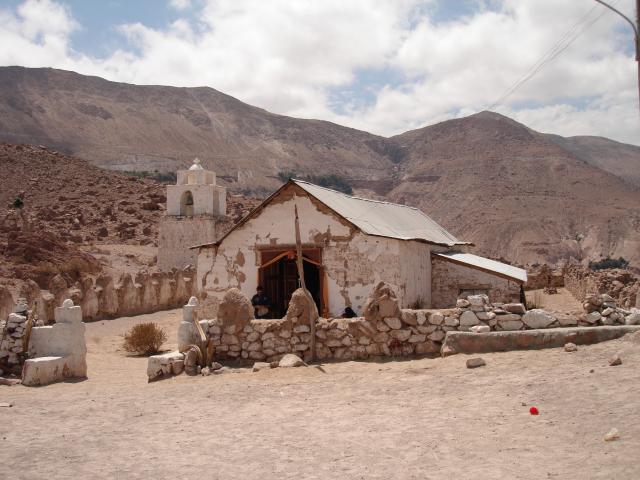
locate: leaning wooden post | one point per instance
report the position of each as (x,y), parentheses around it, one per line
(312,303)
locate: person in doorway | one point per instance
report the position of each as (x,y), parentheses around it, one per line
(348,313)
(260,303)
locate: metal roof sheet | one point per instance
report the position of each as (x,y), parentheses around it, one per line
(486,264)
(384,219)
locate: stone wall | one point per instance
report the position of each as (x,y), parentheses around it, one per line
(542,276)
(386,330)
(449,279)
(105,297)
(622,285)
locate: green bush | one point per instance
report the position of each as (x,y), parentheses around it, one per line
(609,263)
(144,339)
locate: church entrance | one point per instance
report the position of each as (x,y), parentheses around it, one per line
(278,276)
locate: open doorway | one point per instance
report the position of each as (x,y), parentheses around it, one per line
(278,276)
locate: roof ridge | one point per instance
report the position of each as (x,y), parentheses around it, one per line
(355,197)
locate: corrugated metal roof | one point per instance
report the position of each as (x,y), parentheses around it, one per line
(384,219)
(486,264)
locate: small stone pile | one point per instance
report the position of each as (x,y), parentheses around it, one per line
(602,309)
(476,311)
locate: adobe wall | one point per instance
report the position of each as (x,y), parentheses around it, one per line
(448,278)
(177,234)
(354,262)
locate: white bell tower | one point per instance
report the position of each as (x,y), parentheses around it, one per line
(193,204)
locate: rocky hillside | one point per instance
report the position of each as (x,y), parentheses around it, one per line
(69,204)
(518,194)
(131,127)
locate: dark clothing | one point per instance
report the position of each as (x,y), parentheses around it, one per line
(260,300)
(348,313)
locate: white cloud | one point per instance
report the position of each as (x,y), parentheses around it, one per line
(180,4)
(288,57)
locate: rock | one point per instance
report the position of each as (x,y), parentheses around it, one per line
(393,323)
(476,362)
(607,311)
(514,308)
(260,366)
(235,309)
(299,309)
(468,318)
(478,300)
(612,435)
(205,372)
(417,338)
(567,320)
(632,319)
(537,318)
(570,347)
(291,360)
(480,329)
(462,303)
(592,317)
(437,336)
(436,318)
(400,335)
(427,347)
(615,360)
(382,303)
(215,366)
(410,317)
(486,316)
(451,321)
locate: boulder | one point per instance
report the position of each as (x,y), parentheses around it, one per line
(592,317)
(478,300)
(511,325)
(235,309)
(632,319)
(291,360)
(538,318)
(382,303)
(393,322)
(468,318)
(514,308)
(299,309)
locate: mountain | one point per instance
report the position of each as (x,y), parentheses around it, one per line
(517,193)
(131,127)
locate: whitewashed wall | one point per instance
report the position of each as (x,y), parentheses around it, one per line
(354,262)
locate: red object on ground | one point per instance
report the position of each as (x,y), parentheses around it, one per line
(533,411)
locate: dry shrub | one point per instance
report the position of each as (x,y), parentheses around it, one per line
(144,339)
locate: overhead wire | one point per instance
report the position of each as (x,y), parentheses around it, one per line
(570,36)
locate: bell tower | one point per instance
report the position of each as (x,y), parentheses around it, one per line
(193,204)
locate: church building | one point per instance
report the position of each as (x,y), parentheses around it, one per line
(349,244)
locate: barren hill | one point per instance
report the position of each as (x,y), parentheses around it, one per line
(131,127)
(70,205)
(516,193)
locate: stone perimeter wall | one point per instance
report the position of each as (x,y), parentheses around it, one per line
(106,297)
(386,330)
(622,285)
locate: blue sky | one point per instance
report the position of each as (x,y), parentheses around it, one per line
(382,66)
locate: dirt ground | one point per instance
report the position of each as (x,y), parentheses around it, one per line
(561,302)
(411,419)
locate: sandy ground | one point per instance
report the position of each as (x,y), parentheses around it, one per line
(561,302)
(413,419)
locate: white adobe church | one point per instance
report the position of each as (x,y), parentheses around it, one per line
(349,245)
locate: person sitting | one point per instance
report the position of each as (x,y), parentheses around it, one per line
(260,304)
(348,313)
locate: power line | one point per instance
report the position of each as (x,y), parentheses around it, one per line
(570,36)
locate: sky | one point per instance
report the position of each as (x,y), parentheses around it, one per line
(384,66)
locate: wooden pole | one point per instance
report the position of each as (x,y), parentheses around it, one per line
(312,304)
